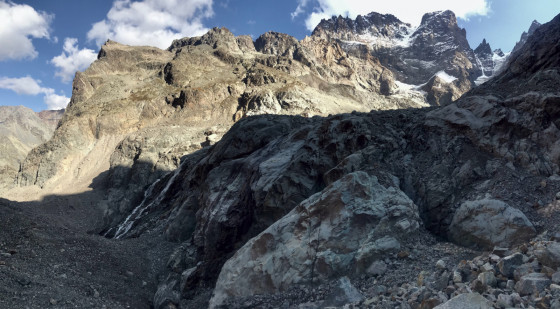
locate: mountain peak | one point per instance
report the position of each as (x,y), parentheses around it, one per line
(525,35)
(534,25)
(483,48)
(440,18)
(360,25)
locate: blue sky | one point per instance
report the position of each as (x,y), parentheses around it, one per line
(43,42)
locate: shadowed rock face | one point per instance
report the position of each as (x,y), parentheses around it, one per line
(264,172)
(525,36)
(341,230)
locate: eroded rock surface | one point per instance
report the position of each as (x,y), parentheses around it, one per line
(343,229)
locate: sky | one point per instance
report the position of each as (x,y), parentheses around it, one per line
(44,42)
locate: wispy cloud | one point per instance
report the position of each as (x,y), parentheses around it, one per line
(300,8)
(72,59)
(152,22)
(30,86)
(251,22)
(19,23)
(410,11)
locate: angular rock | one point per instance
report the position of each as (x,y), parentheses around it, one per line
(343,293)
(488,279)
(556,277)
(340,230)
(532,283)
(500,251)
(466,301)
(377,268)
(509,226)
(549,256)
(523,270)
(508,264)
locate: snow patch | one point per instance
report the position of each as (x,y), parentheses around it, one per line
(402,38)
(499,61)
(446,77)
(411,92)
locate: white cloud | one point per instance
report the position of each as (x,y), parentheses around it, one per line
(19,23)
(55,101)
(300,8)
(152,22)
(29,86)
(72,59)
(24,85)
(409,11)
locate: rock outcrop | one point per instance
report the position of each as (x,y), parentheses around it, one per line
(344,229)
(489,224)
(346,190)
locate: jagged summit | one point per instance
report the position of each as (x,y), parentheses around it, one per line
(439,19)
(384,24)
(415,55)
(483,48)
(535,63)
(499,52)
(525,35)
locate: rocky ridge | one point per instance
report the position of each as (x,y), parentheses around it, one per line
(525,35)
(415,55)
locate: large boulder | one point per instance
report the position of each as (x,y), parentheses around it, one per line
(341,230)
(488,223)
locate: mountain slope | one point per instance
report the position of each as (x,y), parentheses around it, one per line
(137,110)
(265,187)
(21,130)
